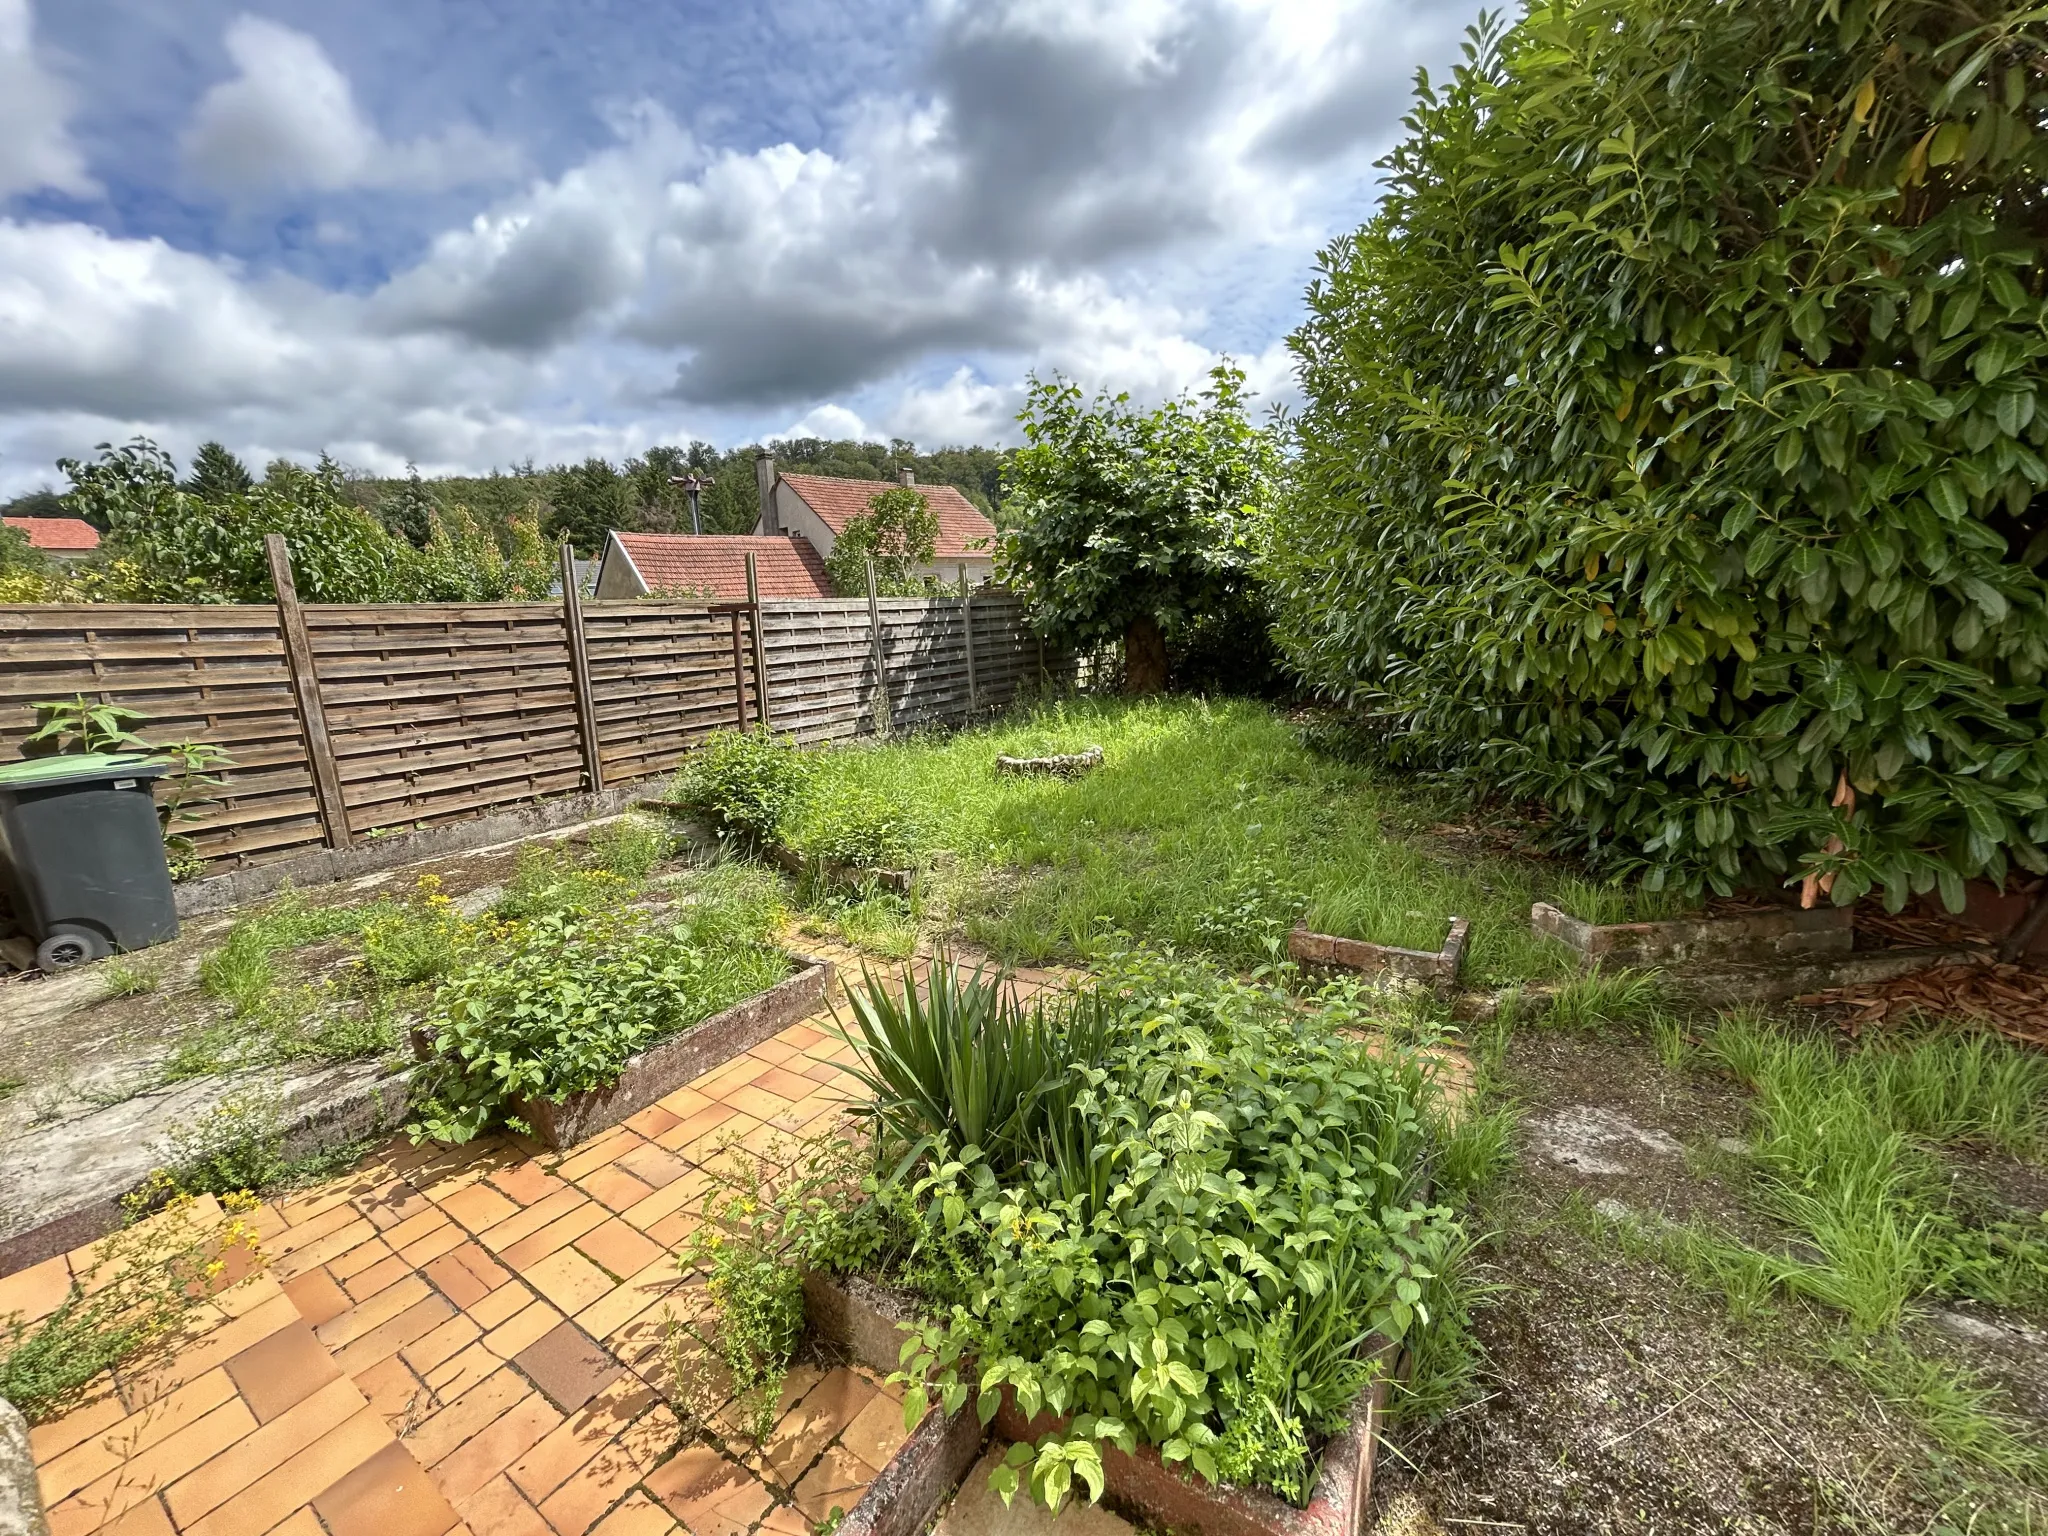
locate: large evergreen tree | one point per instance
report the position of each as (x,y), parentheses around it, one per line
(217,473)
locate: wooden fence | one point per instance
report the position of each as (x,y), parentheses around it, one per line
(347,722)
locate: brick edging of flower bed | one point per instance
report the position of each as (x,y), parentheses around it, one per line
(868,1321)
(662,1068)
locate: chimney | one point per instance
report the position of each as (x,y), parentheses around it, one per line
(764,478)
(906,477)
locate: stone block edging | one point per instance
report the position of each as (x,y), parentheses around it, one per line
(869,1321)
(1780,933)
(662,1068)
(21,1497)
(1433,968)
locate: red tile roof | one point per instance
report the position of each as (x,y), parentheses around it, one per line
(717,564)
(962,530)
(65,535)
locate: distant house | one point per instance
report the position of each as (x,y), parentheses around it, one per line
(816,508)
(61,538)
(708,565)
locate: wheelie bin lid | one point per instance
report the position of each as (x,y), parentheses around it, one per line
(79,768)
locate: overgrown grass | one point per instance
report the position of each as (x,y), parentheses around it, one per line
(1210,827)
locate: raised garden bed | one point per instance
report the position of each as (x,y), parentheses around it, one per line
(1436,969)
(661,1069)
(868,1322)
(1768,955)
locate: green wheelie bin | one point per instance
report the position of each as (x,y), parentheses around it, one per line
(84,854)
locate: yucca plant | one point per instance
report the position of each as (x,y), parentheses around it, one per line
(961,1059)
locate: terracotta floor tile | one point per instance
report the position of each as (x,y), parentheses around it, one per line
(549,1208)
(596,1423)
(384,1273)
(817,1420)
(651,1121)
(638,1515)
(568,1365)
(300,1522)
(836,1482)
(619,1248)
(594,1154)
(310,1217)
(527,1182)
(614,1186)
(556,1234)
(828,1073)
(393,1390)
(694,1126)
(798,1036)
(145,1519)
(709,1494)
(275,1373)
(685,1102)
(416,1321)
(467,1415)
(721,1080)
(374,1313)
(783,1520)
(142,1476)
(478,1206)
(390,1203)
(876,1433)
(317,1298)
(772,1050)
(442,1239)
(674,1229)
(367,1254)
(735,1127)
(388,1495)
(629,1299)
(499,1509)
(591,1489)
(415,1227)
(332,1245)
(270,1498)
(784,1084)
(35,1292)
(443,1343)
(99,1411)
(253,1455)
(568,1279)
(451,1378)
(129,1435)
(196,1358)
(465,1274)
(486,1454)
(687,1191)
(654,1165)
(503,1304)
(533,1322)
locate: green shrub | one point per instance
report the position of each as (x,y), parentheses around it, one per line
(897,533)
(631,847)
(562,1003)
(746,783)
(1212,1223)
(843,821)
(1672,450)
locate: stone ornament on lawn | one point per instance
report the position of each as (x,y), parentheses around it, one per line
(1059,765)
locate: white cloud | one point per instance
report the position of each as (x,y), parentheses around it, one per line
(829,420)
(1102,191)
(36,150)
(288,122)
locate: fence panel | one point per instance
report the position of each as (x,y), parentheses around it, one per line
(213,674)
(663,678)
(444,711)
(440,712)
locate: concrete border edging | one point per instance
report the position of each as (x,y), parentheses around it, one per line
(21,1496)
(1433,968)
(664,1067)
(217,893)
(1779,933)
(868,1321)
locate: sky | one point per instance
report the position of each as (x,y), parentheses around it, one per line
(469,233)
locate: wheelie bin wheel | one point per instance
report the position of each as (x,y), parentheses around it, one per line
(71,946)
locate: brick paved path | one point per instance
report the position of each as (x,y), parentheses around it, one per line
(468,1338)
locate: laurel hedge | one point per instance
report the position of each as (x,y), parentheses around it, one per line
(1673,446)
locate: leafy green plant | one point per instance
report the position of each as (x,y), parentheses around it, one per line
(1671,452)
(563,1002)
(81,724)
(1216,1220)
(846,822)
(897,533)
(130,1302)
(746,783)
(1144,529)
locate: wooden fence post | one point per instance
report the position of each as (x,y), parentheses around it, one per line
(875,641)
(967,622)
(298,655)
(760,646)
(579,669)
(739,671)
